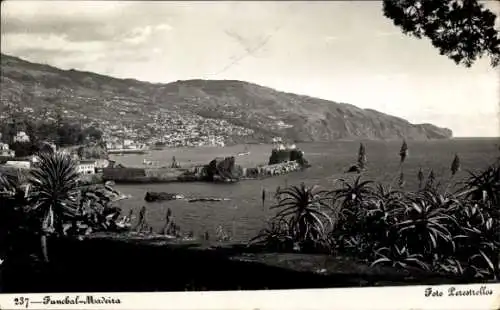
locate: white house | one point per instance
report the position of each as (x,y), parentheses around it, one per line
(86,167)
(5,151)
(21,137)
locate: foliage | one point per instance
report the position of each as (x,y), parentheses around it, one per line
(302,214)
(428,229)
(16,225)
(170,228)
(399,257)
(54,192)
(92,151)
(275,237)
(49,201)
(483,185)
(95,213)
(63,132)
(463,30)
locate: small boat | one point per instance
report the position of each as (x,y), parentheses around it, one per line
(122,197)
(245,152)
(146,162)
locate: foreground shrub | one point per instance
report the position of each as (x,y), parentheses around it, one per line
(50,202)
(301,217)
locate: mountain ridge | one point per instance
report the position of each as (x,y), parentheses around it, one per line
(249,112)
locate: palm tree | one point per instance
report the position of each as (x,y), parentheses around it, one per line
(53,194)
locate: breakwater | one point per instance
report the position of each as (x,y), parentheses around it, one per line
(272,170)
(144,175)
(192,174)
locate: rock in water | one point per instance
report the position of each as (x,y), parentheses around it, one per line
(161,196)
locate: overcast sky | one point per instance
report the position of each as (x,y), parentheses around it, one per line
(341,51)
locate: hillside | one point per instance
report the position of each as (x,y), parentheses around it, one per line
(236,110)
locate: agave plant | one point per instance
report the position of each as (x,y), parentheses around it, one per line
(16,226)
(355,193)
(8,182)
(302,208)
(480,238)
(387,194)
(384,211)
(428,221)
(483,185)
(53,196)
(396,256)
(275,237)
(451,266)
(486,265)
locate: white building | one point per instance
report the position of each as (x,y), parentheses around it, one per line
(127,143)
(277,140)
(86,167)
(24,164)
(101,163)
(5,151)
(21,137)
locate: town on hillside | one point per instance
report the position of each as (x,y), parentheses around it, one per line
(172,129)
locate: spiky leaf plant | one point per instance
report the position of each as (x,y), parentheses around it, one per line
(275,237)
(303,210)
(426,227)
(483,185)
(54,193)
(399,257)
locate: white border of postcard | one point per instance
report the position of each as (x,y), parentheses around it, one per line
(438,297)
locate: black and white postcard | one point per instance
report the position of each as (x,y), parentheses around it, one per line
(250,155)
